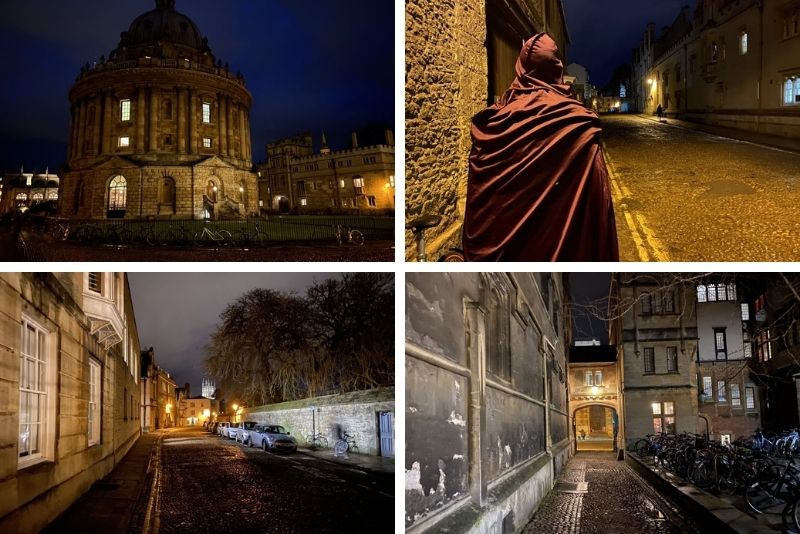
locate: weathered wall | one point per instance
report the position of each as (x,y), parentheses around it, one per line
(446,84)
(477,439)
(34,495)
(355,413)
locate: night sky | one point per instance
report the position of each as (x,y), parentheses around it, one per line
(311,65)
(589,290)
(605,32)
(176,312)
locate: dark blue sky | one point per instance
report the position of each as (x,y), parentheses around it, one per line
(604,32)
(310,64)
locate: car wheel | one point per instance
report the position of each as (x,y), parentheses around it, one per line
(264,445)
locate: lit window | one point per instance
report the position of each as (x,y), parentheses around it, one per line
(749,398)
(663,417)
(743,43)
(34,394)
(587,378)
(731,291)
(721,391)
(745,312)
(622,91)
(707,387)
(358,186)
(341,183)
(124,142)
(391,181)
(94,402)
(725,439)
(598,378)
(125,110)
(701,293)
(206,113)
(304,201)
(117,193)
(206,142)
(736,399)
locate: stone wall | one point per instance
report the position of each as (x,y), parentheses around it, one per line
(446,84)
(355,413)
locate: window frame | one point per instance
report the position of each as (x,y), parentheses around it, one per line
(125,113)
(722,397)
(708,387)
(672,359)
(94,417)
(206,112)
(649,355)
(736,395)
(124,141)
(47,393)
(750,398)
(720,354)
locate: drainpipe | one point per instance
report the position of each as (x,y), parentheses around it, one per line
(704,417)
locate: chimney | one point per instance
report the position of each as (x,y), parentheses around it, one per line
(389,137)
(355,139)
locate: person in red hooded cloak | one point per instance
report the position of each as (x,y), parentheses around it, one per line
(538,186)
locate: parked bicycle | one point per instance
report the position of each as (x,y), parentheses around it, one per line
(248,237)
(317,441)
(345,444)
(348,235)
(212,237)
(419,226)
(61,231)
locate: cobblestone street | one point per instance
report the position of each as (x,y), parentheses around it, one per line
(596,494)
(685,195)
(212,484)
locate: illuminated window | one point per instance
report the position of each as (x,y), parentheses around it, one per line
(707,387)
(587,378)
(372,202)
(598,378)
(35,394)
(702,295)
(663,417)
(391,181)
(206,142)
(94,402)
(745,312)
(358,185)
(125,110)
(622,90)
(206,113)
(37,197)
(749,398)
(117,193)
(21,196)
(124,142)
(725,439)
(304,201)
(649,360)
(791,90)
(720,344)
(736,400)
(743,43)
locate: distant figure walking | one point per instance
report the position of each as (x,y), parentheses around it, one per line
(660,112)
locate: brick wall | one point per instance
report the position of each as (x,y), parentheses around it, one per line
(355,413)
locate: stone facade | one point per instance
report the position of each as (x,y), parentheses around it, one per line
(77,338)
(197,410)
(164,115)
(357,413)
(728,62)
(487,426)
(594,387)
(459,58)
(657,343)
(297,180)
(22,191)
(157,394)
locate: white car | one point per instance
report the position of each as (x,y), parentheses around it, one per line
(243,431)
(272,437)
(231,431)
(221,428)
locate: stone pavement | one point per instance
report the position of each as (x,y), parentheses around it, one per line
(117,503)
(596,494)
(365,462)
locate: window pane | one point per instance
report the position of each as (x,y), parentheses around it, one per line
(598,378)
(712,293)
(656,408)
(125,110)
(669,408)
(701,293)
(745,312)
(749,398)
(707,386)
(657,425)
(731,291)
(720,340)
(721,391)
(735,397)
(669,425)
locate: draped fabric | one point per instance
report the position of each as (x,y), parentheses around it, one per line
(538,186)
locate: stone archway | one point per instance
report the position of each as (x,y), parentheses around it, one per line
(595,427)
(281,204)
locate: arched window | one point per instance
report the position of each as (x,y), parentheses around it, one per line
(211,191)
(52,195)
(22,196)
(167,191)
(788,91)
(117,194)
(702,296)
(37,197)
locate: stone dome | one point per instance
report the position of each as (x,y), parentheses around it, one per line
(163,25)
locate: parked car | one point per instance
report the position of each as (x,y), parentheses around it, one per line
(232,431)
(272,437)
(243,432)
(222,427)
(212,427)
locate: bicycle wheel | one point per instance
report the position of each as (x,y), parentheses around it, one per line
(356,237)
(225,237)
(340,447)
(199,238)
(642,448)
(764,495)
(453,254)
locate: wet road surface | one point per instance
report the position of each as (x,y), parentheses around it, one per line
(596,494)
(212,484)
(684,195)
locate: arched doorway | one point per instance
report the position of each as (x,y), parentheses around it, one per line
(281,204)
(595,428)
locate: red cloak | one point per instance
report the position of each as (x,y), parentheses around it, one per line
(538,186)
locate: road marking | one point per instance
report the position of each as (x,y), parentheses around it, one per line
(648,246)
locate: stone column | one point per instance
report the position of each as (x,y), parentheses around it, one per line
(141,111)
(229,131)
(73,132)
(181,120)
(154,104)
(82,128)
(192,123)
(247,143)
(96,141)
(108,119)
(223,125)
(242,146)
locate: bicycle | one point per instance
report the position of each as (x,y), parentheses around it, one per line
(207,236)
(247,237)
(61,231)
(317,441)
(418,227)
(348,235)
(345,444)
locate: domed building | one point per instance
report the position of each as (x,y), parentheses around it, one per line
(160,129)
